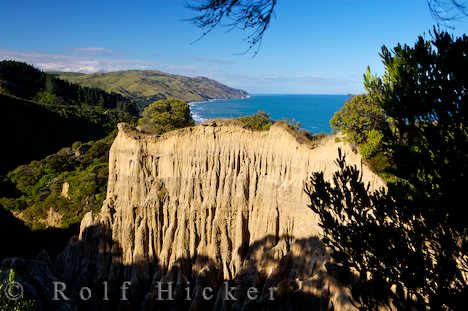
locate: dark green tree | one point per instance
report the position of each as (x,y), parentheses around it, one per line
(166,115)
(407,246)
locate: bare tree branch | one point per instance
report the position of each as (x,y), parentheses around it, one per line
(447,10)
(254,15)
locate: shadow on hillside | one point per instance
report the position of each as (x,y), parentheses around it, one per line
(95,262)
(18,240)
(31,131)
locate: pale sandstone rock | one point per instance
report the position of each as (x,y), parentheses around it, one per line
(64,192)
(215,199)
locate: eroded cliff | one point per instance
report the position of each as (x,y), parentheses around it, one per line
(206,204)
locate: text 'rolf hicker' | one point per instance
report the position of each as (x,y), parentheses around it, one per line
(164,291)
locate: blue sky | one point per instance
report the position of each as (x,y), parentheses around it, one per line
(311,47)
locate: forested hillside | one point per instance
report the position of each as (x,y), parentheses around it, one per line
(41,113)
(25,81)
(56,136)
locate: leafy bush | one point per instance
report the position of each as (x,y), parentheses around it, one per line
(360,116)
(364,122)
(165,115)
(372,144)
(261,121)
(48,98)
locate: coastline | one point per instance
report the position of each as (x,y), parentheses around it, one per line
(311,111)
(198,118)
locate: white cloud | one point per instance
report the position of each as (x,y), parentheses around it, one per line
(93,63)
(254,83)
(60,62)
(93,50)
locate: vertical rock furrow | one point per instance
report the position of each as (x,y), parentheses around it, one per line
(218,194)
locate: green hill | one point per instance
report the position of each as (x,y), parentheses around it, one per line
(54,133)
(40,114)
(25,81)
(149,85)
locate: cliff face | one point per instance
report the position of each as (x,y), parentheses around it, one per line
(207,204)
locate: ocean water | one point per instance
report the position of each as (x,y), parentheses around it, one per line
(313,112)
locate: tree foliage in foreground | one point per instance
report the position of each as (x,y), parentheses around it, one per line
(407,246)
(365,124)
(166,115)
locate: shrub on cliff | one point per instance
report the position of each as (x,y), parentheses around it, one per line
(260,121)
(364,122)
(359,117)
(166,115)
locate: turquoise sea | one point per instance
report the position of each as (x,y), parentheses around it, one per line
(313,112)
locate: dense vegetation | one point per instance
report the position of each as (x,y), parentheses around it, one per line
(41,115)
(165,115)
(29,130)
(82,168)
(73,181)
(25,81)
(406,246)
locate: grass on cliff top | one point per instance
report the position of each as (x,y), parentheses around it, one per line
(261,121)
(302,136)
